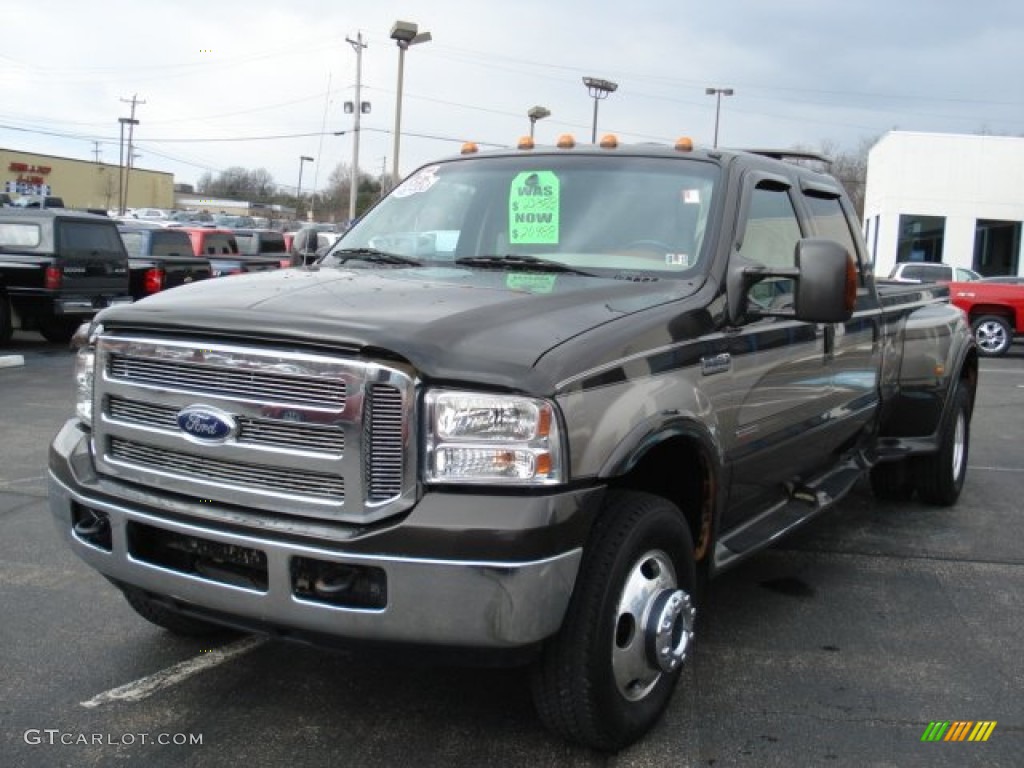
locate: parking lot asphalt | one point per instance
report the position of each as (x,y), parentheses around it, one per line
(837,647)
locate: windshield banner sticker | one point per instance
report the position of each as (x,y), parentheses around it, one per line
(419,182)
(533,209)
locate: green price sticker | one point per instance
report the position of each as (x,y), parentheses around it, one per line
(531,283)
(533,203)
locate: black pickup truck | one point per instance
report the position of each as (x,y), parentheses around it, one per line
(57,269)
(160,258)
(528,405)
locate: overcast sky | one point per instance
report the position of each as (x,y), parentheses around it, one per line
(259,84)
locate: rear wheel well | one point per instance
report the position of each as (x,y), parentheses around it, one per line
(680,470)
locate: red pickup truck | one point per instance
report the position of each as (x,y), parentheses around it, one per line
(996,312)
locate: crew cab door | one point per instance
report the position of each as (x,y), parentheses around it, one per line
(778,428)
(853,348)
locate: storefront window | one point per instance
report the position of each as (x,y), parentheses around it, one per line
(921,238)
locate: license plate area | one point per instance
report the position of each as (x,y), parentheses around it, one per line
(194,556)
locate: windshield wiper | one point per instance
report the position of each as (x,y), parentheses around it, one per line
(519,261)
(372,255)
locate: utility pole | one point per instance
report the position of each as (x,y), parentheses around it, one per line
(353,192)
(126,172)
(96,151)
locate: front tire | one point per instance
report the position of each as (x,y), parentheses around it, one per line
(939,477)
(608,675)
(993,334)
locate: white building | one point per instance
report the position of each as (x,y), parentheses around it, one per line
(952,198)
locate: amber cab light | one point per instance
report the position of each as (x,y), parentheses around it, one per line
(566,141)
(525,142)
(469,148)
(609,141)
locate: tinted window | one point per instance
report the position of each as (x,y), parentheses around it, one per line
(89,237)
(830,221)
(134,243)
(771,231)
(770,235)
(220,244)
(170,243)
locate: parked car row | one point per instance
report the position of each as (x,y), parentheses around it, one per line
(59,267)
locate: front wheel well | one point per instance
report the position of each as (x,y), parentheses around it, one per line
(679,469)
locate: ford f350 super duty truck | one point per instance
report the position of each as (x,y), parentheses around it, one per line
(528,404)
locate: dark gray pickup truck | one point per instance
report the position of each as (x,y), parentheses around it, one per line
(528,405)
(58,268)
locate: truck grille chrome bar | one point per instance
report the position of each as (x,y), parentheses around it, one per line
(310,435)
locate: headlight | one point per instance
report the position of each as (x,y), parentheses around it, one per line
(85,362)
(482,438)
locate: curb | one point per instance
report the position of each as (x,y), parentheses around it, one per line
(11,361)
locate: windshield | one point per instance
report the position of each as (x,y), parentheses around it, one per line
(589,213)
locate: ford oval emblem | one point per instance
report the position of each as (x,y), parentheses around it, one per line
(207,424)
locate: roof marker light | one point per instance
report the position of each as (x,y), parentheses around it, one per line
(469,147)
(566,141)
(609,141)
(684,144)
(525,142)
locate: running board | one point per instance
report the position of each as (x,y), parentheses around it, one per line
(804,502)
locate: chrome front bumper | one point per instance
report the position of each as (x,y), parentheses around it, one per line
(433,601)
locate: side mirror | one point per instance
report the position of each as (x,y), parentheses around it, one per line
(826,290)
(825,284)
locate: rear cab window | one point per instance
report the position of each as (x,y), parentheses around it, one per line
(86,238)
(19,235)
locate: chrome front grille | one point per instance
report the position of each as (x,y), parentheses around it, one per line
(384,454)
(274,433)
(311,435)
(285,482)
(217,375)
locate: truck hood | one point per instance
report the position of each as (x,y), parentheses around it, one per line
(450,323)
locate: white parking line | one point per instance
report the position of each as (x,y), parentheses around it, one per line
(165,678)
(11,361)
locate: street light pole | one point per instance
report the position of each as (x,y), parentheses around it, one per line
(298,191)
(358,45)
(404,33)
(598,89)
(535,114)
(718,93)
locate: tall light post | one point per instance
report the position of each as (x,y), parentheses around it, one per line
(358,108)
(404,33)
(298,191)
(598,89)
(535,114)
(718,93)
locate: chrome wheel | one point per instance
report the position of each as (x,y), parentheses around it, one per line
(959,445)
(993,335)
(653,626)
